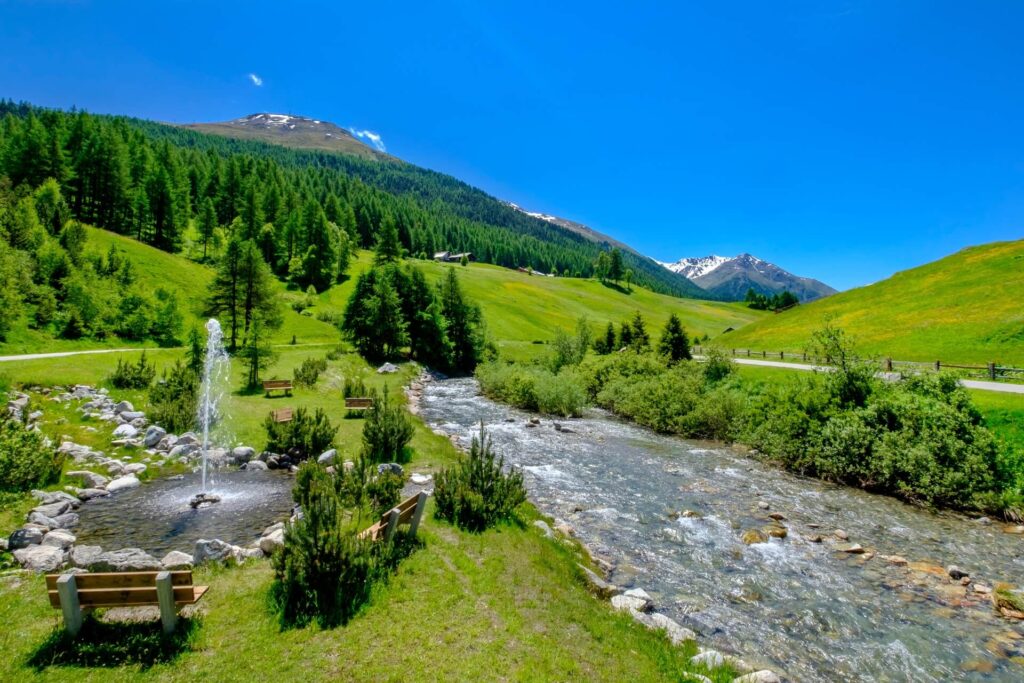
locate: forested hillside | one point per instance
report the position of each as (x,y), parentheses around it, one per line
(306,209)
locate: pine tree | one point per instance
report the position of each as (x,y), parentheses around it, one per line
(258,296)
(615,269)
(390,330)
(319,256)
(625,335)
(674,342)
(207,224)
(389,248)
(464,325)
(196,351)
(226,291)
(258,353)
(641,340)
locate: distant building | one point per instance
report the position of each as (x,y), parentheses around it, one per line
(449,257)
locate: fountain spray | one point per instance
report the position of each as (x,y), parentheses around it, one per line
(214,370)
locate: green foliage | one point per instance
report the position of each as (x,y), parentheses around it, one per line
(258,352)
(569,351)
(26,461)
(717,364)
(534,388)
(309,371)
(354,387)
(674,344)
(137,375)
(387,431)
(324,573)
(174,398)
(477,493)
(306,435)
(776,302)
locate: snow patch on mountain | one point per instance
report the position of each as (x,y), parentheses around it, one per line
(695,267)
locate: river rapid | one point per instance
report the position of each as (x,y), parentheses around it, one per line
(669,515)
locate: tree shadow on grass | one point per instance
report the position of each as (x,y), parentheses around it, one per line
(102,644)
(617,287)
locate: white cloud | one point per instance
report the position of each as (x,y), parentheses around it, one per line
(256,80)
(370,138)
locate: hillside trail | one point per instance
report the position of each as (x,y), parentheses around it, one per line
(86,352)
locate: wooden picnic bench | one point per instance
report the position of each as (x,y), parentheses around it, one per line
(284,385)
(408,511)
(282,415)
(353,403)
(74,592)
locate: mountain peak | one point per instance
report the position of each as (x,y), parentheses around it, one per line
(730,278)
(291,130)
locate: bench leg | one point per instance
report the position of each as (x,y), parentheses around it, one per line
(421,503)
(165,595)
(392,527)
(68,592)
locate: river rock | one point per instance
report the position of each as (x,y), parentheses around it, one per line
(23,538)
(420,479)
(214,550)
(956,573)
(327,457)
(84,555)
(131,416)
(981,589)
(134,468)
(854,549)
(89,494)
(762,505)
(242,454)
(841,535)
(125,431)
(392,467)
(53,509)
(777,531)
(712,658)
(40,558)
(272,541)
(597,585)
(626,603)
(897,560)
(1019,529)
(154,435)
(59,538)
(89,479)
(256,465)
(763,676)
(676,633)
(42,520)
(129,481)
(752,536)
(176,560)
(125,560)
(123,406)
(778,516)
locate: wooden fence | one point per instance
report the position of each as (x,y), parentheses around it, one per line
(991,371)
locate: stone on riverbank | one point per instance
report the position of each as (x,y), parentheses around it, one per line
(327,457)
(676,633)
(272,541)
(597,585)
(89,479)
(59,538)
(89,494)
(124,560)
(23,538)
(763,676)
(40,558)
(128,481)
(154,435)
(176,560)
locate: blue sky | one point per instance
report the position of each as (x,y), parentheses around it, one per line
(841,139)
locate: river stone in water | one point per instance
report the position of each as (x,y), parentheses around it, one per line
(763,676)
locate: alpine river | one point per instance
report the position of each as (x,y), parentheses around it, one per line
(799,605)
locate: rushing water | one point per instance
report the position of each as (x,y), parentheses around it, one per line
(157,517)
(798,607)
(215,371)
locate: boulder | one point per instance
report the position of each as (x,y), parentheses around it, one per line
(543,526)
(167,443)
(125,560)
(243,454)
(59,538)
(752,536)
(421,479)
(708,658)
(125,431)
(188,439)
(68,520)
(89,479)
(129,481)
(597,585)
(327,457)
(762,676)
(154,435)
(53,509)
(387,368)
(40,558)
(272,541)
(23,538)
(176,560)
(123,406)
(214,550)
(956,573)
(392,467)
(132,415)
(256,465)
(82,556)
(134,468)
(626,603)
(89,494)
(656,621)
(841,535)
(42,520)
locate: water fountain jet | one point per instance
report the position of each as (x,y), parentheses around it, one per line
(215,368)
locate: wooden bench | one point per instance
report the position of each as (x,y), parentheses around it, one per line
(353,403)
(73,592)
(408,511)
(282,415)
(284,385)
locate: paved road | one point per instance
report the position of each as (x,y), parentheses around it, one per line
(1001,387)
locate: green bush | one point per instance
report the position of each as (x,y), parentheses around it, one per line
(324,572)
(309,371)
(136,375)
(26,461)
(354,388)
(477,493)
(174,399)
(386,432)
(305,436)
(534,388)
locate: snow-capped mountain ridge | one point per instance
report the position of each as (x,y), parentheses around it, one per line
(731,278)
(695,267)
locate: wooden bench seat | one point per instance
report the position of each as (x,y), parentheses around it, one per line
(284,385)
(360,403)
(168,590)
(282,415)
(408,511)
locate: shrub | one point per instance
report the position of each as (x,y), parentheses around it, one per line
(717,364)
(305,436)
(26,461)
(477,493)
(174,399)
(309,371)
(136,375)
(324,572)
(354,387)
(534,388)
(386,432)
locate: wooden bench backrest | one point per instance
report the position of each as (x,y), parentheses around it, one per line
(277,384)
(282,415)
(358,402)
(406,509)
(127,588)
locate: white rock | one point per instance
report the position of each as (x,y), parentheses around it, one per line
(177,560)
(256,465)
(676,633)
(272,541)
(327,457)
(421,479)
(40,558)
(134,468)
(59,538)
(125,431)
(625,603)
(214,550)
(129,481)
(763,676)
(89,479)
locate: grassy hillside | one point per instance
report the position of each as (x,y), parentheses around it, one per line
(521,309)
(298,132)
(962,308)
(155,268)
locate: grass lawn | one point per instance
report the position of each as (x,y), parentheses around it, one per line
(963,308)
(506,604)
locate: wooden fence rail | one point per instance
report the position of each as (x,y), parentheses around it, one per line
(992,371)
